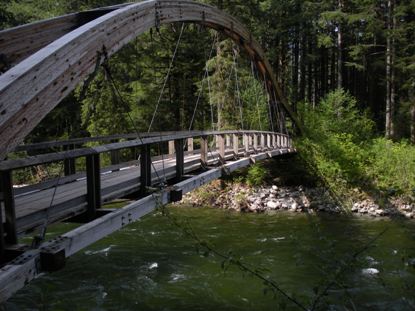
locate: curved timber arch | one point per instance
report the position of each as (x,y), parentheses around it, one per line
(32,88)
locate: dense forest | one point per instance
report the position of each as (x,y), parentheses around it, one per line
(346,66)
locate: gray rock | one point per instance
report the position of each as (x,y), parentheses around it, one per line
(272,204)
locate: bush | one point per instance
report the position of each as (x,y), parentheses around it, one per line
(340,147)
(256,175)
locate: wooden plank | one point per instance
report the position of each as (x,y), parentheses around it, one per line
(221,148)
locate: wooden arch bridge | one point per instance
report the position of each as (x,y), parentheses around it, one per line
(42,63)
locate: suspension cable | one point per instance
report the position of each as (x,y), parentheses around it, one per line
(237,88)
(206,74)
(166,78)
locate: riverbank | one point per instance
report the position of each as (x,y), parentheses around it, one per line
(299,199)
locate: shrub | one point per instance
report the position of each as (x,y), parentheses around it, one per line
(256,175)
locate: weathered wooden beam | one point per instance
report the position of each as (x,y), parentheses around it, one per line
(9,207)
(179,147)
(93,178)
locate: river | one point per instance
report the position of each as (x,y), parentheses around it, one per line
(151,265)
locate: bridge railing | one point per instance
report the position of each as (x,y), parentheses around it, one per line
(225,144)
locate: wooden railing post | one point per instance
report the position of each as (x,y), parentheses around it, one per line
(255,142)
(69,165)
(190,145)
(228,142)
(204,150)
(93,183)
(269,141)
(246,144)
(274,141)
(263,147)
(221,143)
(9,208)
(171,147)
(145,168)
(235,145)
(115,155)
(179,147)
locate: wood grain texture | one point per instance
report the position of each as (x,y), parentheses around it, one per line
(31,89)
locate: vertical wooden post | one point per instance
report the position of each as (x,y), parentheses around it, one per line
(9,208)
(279,141)
(145,168)
(115,155)
(228,142)
(269,141)
(246,144)
(235,145)
(221,142)
(204,150)
(2,242)
(216,142)
(263,147)
(171,147)
(179,146)
(274,141)
(93,183)
(255,142)
(284,144)
(69,165)
(190,145)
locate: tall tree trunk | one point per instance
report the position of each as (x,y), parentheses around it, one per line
(390,75)
(296,54)
(413,123)
(339,50)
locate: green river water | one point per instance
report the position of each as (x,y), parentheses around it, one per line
(150,265)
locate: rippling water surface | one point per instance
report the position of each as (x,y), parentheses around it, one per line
(150,265)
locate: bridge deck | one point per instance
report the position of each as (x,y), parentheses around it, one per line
(35,207)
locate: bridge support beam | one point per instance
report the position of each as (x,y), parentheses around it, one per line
(179,146)
(145,169)
(93,183)
(115,155)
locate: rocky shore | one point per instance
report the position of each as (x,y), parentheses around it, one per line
(243,198)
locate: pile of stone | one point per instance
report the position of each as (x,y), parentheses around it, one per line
(298,199)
